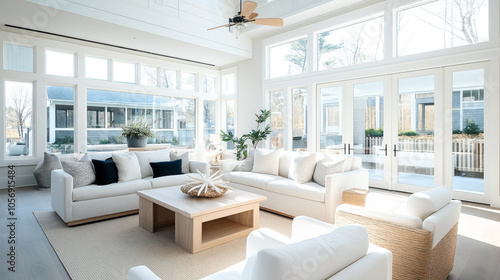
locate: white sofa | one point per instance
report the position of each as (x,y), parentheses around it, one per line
(291,198)
(96,202)
(316,250)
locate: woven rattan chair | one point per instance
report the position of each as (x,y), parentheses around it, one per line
(421,231)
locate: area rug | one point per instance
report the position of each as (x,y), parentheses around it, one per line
(108,249)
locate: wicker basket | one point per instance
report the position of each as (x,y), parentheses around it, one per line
(207,193)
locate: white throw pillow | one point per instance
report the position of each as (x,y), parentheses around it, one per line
(316,258)
(266,161)
(326,167)
(423,204)
(302,168)
(127,165)
(286,159)
(185,160)
(145,157)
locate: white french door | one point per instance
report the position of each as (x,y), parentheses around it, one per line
(416,148)
(415,130)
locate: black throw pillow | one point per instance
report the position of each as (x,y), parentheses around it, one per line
(166,168)
(105,171)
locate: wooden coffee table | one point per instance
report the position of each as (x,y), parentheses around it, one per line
(200,223)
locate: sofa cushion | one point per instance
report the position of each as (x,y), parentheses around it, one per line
(309,190)
(302,168)
(348,160)
(82,171)
(44,168)
(185,160)
(105,171)
(169,181)
(423,204)
(128,166)
(145,157)
(326,167)
(166,168)
(266,161)
(111,190)
(315,258)
(286,159)
(257,180)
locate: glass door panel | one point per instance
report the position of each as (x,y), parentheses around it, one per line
(330,120)
(368,127)
(415,141)
(468,130)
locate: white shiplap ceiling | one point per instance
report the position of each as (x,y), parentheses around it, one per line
(176,28)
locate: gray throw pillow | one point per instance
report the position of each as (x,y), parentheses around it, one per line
(247,163)
(185,160)
(326,167)
(44,169)
(82,171)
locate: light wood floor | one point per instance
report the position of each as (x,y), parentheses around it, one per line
(478,248)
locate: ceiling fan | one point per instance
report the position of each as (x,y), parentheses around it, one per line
(246,15)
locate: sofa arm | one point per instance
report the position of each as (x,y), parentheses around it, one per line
(61,193)
(265,238)
(202,166)
(383,216)
(442,221)
(227,166)
(336,184)
(304,227)
(376,265)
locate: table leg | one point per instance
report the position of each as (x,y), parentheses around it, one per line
(146,214)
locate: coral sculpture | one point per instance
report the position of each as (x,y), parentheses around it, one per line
(204,186)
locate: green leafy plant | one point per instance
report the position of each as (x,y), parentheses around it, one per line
(138,129)
(374,132)
(255,135)
(408,133)
(471,128)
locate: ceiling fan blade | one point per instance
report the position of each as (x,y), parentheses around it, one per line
(248,8)
(225,25)
(269,21)
(252,16)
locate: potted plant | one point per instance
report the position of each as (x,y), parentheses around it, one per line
(137,133)
(255,135)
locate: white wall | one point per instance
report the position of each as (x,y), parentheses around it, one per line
(249,100)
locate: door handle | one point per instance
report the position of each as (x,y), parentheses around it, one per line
(344,149)
(385,149)
(395,150)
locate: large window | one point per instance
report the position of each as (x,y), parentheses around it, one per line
(299,118)
(59,63)
(208,119)
(288,59)
(18,58)
(441,24)
(277,105)
(60,119)
(172,118)
(353,44)
(19,126)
